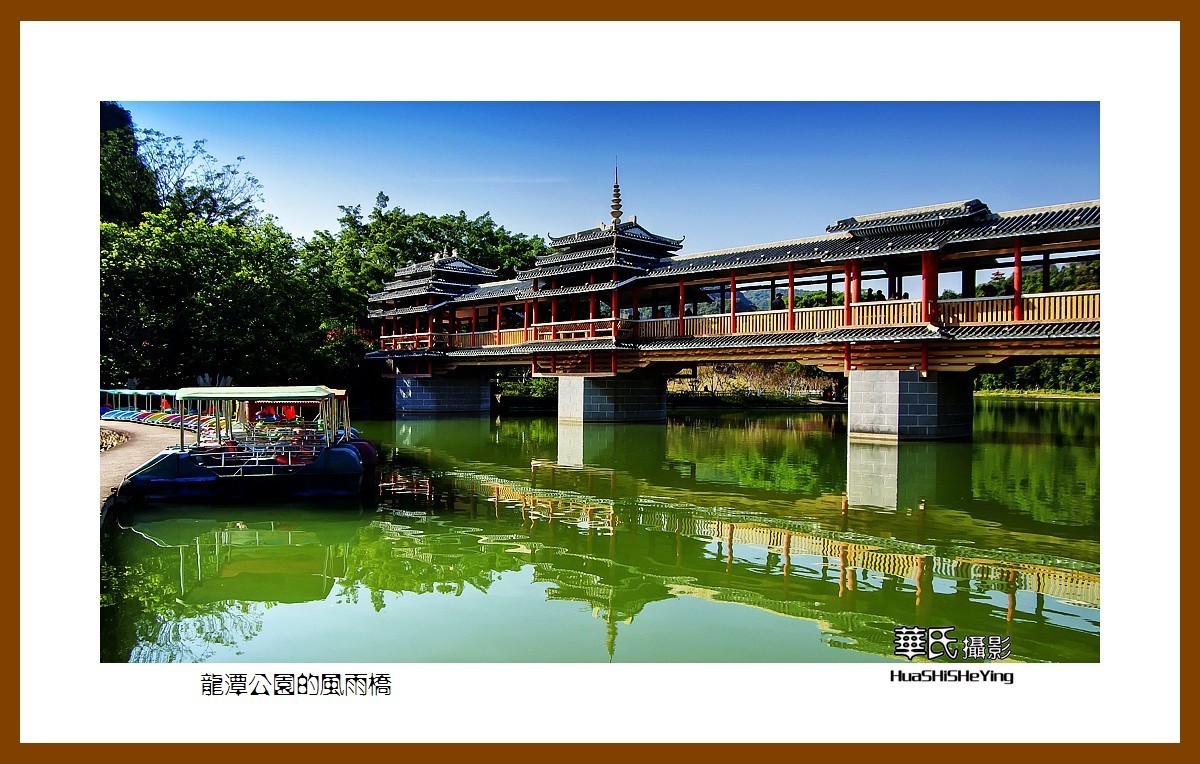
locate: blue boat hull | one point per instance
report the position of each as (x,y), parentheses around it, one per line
(175,476)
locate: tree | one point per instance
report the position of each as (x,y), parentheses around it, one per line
(127,185)
(182,297)
(816,299)
(363,254)
(192,181)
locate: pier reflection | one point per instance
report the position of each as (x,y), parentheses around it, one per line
(618,557)
(708,539)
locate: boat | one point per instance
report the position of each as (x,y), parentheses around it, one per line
(256,443)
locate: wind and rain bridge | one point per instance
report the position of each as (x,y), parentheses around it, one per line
(613,311)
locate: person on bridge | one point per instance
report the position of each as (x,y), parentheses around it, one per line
(778,303)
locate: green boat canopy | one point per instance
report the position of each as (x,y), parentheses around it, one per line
(292,393)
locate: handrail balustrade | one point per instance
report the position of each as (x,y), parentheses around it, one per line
(886,313)
(414,341)
(1044,308)
(1050,307)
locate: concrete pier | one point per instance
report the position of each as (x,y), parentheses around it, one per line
(906,405)
(625,398)
(471,394)
(895,475)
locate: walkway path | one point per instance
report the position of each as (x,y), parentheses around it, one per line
(144,442)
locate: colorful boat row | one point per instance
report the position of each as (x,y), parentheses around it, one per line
(253,443)
(160,418)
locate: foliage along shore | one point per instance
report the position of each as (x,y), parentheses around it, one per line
(1040,394)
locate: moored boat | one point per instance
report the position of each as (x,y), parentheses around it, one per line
(303,448)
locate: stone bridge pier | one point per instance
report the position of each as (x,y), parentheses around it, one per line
(443,394)
(909,405)
(633,397)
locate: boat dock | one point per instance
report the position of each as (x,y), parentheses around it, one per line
(144,442)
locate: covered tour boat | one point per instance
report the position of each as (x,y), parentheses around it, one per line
(257,443)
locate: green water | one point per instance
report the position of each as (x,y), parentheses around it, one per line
(733,537)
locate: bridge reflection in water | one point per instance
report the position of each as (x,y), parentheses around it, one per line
(899,546)
(838,542)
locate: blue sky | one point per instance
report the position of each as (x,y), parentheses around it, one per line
(723,174)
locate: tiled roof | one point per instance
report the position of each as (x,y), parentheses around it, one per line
(1039,220)
(881,334)
(953,226)
(812,248)
(376,355)
(495,290)
(550,346)
(449,263)
(547,346)
(1078,216)
(630,229)
(729,341)
(530,294)
(427,287)
(405,311)
(913,219)
(568,256)
(611,261)
(1024,331)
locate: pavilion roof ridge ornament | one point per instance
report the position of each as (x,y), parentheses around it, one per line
(616,200)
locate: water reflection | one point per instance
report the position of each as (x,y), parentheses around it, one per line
(177,587)
(709,539)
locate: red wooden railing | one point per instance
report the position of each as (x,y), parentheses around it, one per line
(1053,307)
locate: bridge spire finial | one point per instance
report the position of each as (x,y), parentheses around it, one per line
(616,200)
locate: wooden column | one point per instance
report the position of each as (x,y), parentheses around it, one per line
(1018,307)
(733,302)
(928,287)
(679,309)
(553,318)
(847,275)
(616,302)
(968,282)
(1046,272)
(856,270)
(829,289)
(634,312)
(499,313)
(525,321)
(475,320)
(791,302)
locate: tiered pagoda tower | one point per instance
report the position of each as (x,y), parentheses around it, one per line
(410,307)
(599,259)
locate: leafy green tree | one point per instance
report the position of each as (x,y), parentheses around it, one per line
(816,299)
(127,185)
(191,181)
(182,297)
(364,253)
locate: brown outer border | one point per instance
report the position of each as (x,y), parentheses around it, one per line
(872,10)
(647,10)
